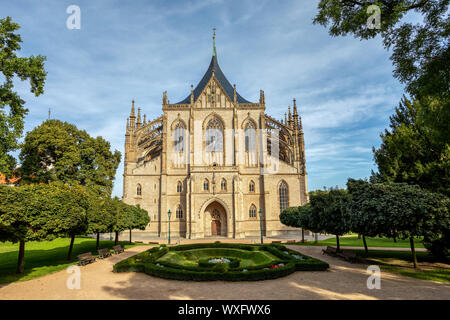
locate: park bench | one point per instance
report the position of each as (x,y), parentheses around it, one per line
(276,241)
(118,249)
(330,250)
(103,253)
(153,242)
(85,258)
(347,255)
(291,241)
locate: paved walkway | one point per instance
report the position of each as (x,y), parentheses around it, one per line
(343,281)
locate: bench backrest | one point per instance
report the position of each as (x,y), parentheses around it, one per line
(84,256)
(331,249)
(103,251)
(118,247)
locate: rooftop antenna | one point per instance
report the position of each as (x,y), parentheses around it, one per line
(49,112)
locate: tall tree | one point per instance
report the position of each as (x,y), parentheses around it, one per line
(58,151)
(416,149)
(420,51)
(12,106)
(140,218)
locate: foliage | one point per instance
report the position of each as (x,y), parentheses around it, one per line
(41,212)
(24,68)
(364,218)
(420,52)
(416,149)
(329,211)
(58,151)
(44,257)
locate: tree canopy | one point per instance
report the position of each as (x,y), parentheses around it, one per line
(420,51)
(416,149)
(58,151)
(12,106)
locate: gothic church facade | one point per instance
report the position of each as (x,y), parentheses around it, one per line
(217,162)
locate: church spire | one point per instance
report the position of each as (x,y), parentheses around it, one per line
(214,42)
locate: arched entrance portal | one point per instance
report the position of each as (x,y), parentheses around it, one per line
(215,220)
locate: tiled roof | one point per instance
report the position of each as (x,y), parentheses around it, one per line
(218,74)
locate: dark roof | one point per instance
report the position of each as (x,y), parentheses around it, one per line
(229,90)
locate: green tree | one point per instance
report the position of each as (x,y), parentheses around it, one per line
(58,151)
(416,149)
(101,216)
(403,211)
(420,51)
(12,106)
(297,217)
(39,212)
(140,218)
(364,218)
(123,217)
(329,212)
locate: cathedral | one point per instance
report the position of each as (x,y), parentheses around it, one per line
(215,164)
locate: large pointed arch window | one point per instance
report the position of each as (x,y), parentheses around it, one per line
(214,135)
(250,143)
(179,137)
(283,195)
(214,153)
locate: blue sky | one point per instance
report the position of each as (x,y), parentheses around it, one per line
(128,50)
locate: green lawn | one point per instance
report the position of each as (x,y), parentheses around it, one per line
(401,262)
(45,257)
(371,242)
(190,257)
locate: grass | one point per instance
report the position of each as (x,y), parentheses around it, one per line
(45,257)
(190,257)
(371,242)
(400,262)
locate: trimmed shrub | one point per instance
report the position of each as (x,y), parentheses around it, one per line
(148,262)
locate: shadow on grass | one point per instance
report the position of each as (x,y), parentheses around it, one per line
(39,262)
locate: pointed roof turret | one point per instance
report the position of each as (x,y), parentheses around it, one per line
(214,71)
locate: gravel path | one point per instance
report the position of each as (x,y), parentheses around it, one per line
(343,281)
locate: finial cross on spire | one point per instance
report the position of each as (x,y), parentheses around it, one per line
(214,41)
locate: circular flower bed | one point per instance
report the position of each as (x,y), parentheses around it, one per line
(220,261)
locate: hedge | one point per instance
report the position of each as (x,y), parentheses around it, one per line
(148,262)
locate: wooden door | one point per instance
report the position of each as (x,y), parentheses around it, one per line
(215,227)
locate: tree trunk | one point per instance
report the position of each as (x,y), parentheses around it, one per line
(116,240)
(337,243)
(303,235)
(359,235)
(395,239)
(130,237)
(365,244)
(98,241)
(21,262)
(72,239)
(411,241)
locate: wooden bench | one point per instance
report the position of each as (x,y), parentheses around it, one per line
(276,241)
(153,242)
(330,250)
(291,241)
(347,255)
(85,258)
(118,249)
(103,253)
